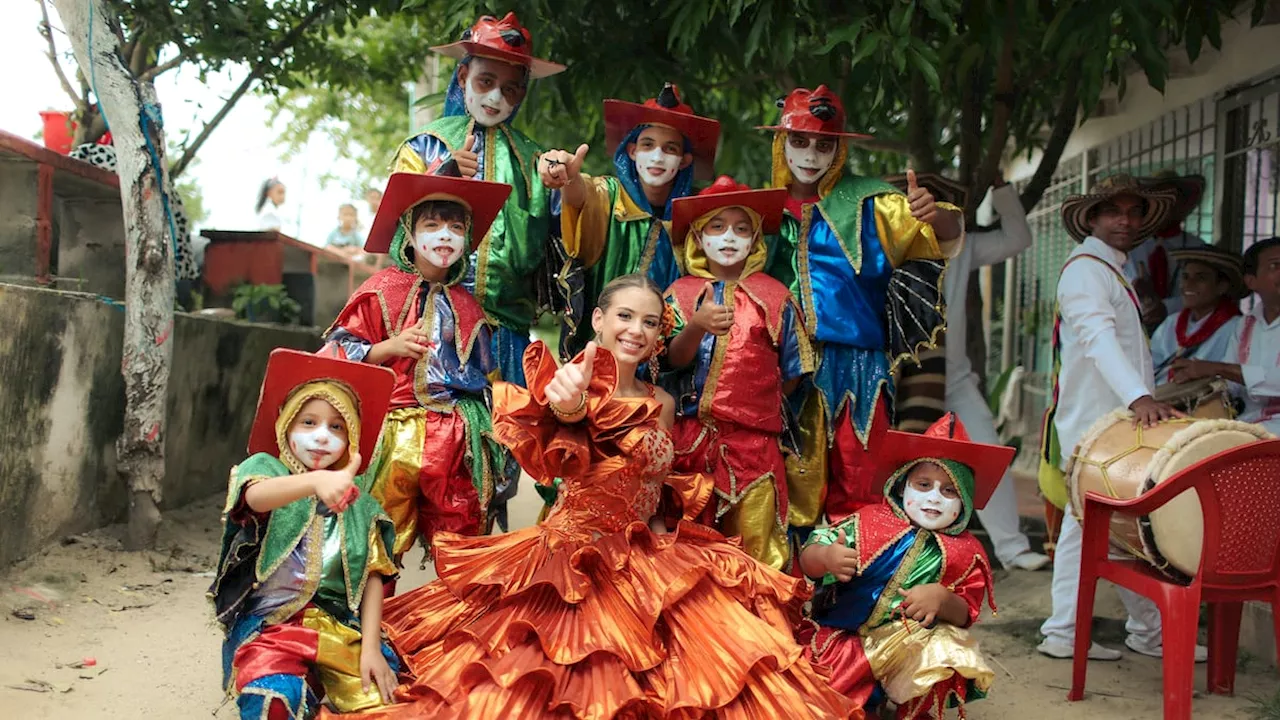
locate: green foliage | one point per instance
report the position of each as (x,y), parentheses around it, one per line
(733,58)
(1264,708)
(265,303)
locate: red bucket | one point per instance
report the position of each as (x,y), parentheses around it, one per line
(59,130)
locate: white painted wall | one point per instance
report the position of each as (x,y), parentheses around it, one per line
(1248,54)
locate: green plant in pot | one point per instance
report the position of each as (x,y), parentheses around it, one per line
(265,303)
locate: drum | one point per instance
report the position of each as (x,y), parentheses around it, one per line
(1121,461)
(1206,398)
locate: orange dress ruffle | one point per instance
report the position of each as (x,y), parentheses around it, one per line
(590,614)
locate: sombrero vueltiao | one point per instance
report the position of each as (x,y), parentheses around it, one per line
(817,111)
(370,387)
(1220,259)
(1189,189)
(703,134)
(1075,209)
(723,193)
(943,189)
(946,439)
(505,40)
(481,198)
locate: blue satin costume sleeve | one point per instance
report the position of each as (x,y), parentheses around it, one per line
(851,317)
(433,151)
(789,346)
(856,599)
(355,348)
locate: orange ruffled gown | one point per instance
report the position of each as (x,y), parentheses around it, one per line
(590,614)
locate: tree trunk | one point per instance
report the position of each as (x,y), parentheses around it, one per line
(149,288)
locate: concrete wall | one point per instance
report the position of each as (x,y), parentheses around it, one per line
(62,405)
(88,230)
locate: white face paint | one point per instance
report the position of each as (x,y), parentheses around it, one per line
(930,509)
(488,109)
(727,249)
(317,447)
(649,162)
(441,247)
(809,164)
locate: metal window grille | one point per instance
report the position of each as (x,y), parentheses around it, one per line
(1183,141)
(1250,197)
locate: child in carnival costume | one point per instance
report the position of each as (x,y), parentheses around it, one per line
(474,138)
(843,236)
(437,465)
(902,581)
(619,225)
(305,552)
(741,351)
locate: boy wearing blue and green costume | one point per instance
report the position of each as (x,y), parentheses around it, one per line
(620,224)
(305,550)
(902,581)
(842,239)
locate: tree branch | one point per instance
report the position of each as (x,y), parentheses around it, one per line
(883,144)
(1064,123)
(1002,110)
(47,31)
(162,68)
(260,67)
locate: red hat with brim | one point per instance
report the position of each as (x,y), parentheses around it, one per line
(818,112)
(483,199)
(505,40)
(946,439)
(723,193)
(703,134)
(288,370)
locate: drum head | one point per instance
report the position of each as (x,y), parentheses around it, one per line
(1173,535)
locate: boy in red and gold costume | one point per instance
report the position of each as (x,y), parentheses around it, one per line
(902,581)
(742,349)
(436,467)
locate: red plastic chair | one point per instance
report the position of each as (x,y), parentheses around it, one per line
(1240,561)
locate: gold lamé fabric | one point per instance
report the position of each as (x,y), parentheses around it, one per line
(338,662)
(909,660)
(591,614)
(422,479)
(807,472)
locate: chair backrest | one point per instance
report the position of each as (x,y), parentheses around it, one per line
(1239,492)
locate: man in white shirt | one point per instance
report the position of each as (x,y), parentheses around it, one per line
(1151,267)
(1253,355)
(983,248)
(1105,365)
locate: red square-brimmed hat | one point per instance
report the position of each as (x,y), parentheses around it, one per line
(481,198)
(946,439)
(726,192)
(506,40)
(816,111)
(287,370)
(621,117)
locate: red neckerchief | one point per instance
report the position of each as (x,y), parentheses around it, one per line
(1171,231)
(1219,317)
(795,206)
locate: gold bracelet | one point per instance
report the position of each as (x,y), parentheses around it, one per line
(575,414)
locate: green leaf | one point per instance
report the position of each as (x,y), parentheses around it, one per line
(924,67)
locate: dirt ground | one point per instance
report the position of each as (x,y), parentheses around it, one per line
(140,626)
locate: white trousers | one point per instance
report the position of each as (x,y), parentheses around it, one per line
(1144,617)
(1000,516)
